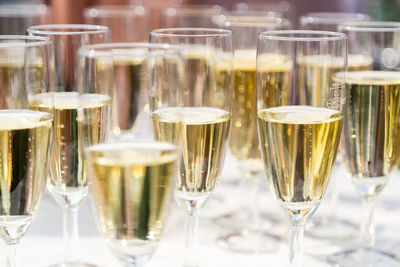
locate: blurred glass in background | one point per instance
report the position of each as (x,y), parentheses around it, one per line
(127,23)
(15,18)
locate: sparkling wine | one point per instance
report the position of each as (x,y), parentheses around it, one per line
(202,134)
(299,146)
(132,186)
(372,128)
(24,153)
(79,121)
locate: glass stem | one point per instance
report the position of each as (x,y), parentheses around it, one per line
(12,257)
(368,224)
(71,236)
(191,240)
(296,245)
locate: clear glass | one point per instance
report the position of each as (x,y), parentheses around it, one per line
(80,117)
(243,141)
(189,16)
(132,185)
(24,135)
(285,8)
(127,67)
(371,124)
(127,23)
(329,21)
(197,117)
(326,224)
(15,18)
(300,114)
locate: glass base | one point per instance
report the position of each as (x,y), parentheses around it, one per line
(332,229)
(250,242)
(239,219)
(363,257)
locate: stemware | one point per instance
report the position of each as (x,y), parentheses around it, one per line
(15,18)
(132,184)
(371,136)
(80,117)
(329,21)
(285,8)
(189,16)
(25,134)
(243,142)
(300,118)
(325,223)
(199,120)
(127,23)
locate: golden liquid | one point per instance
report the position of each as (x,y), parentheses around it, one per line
(79,121)
(299,146)
(132,186)
(202,134)
(24,153)
(17,77)
(372,123)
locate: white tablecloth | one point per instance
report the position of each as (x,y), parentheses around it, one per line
(43,244)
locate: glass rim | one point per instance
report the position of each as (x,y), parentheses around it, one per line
(283,6)
(124,144)
(36,41)
(180,32)
(332,17)
(87,50)
(23,9)
(114,10)
(254,21)
(370,26)
(319,35)
(53,29)
(192,9)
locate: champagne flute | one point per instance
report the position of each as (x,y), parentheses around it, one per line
(127,23)
(371,137)
(285,8)
(25,135)
(15,18)
(197,119)
(329,21)
(125,67)
(189,16)
(299,120)
(325,223)
(243,142)
(80,117)
(132,185)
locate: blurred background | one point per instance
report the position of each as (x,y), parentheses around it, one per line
(71,11)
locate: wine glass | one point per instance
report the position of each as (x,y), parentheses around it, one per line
(197,118)
(243,142)
(285,8)
(127,23)
(25,135)
(80,117)
(15,18)
(129,77)
(299,119)
(371,128)
(325,223)
(132,185)
(329,21)
(189,16)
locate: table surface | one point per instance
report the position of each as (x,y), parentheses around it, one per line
(43,243)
